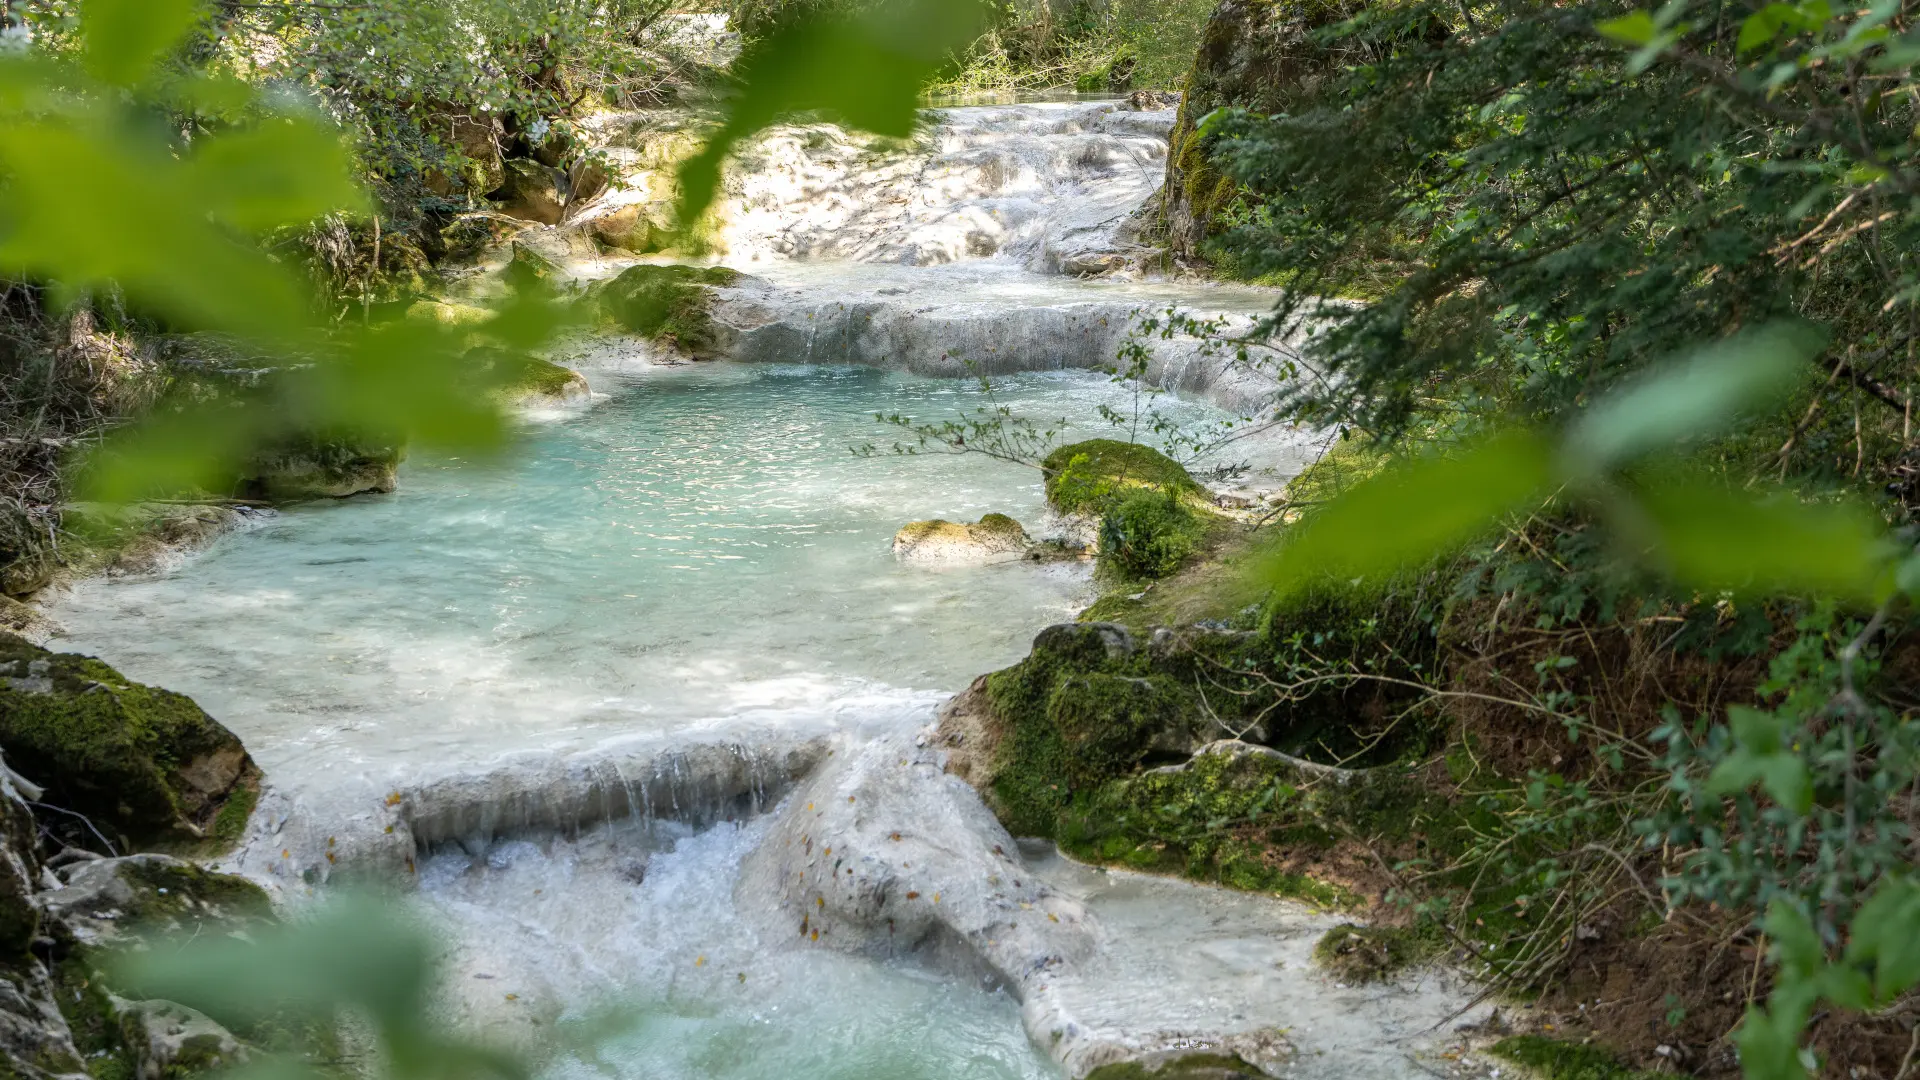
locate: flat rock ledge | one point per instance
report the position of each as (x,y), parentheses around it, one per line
(882,852)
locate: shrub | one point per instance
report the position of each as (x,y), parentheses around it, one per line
(1149,534)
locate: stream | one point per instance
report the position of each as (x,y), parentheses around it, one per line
(559,691)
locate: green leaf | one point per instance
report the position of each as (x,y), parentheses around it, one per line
(1770,1046)
(1633,29)
(1701,395)
(864,69)
(1416,510)
(1886,937)
(1711,537)
(107,209)
(125,37)
(281,172)
(1782,776)
(1762,27)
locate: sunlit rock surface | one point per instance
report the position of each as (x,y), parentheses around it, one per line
(885,853)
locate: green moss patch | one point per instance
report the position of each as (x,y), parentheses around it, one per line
(145,766)
(1092,476)
(670,304)
(1363,954)
(1189,1067)
(81,993)
(1553,1059)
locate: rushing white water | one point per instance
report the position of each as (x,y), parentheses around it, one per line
(1050,186)
(554,931)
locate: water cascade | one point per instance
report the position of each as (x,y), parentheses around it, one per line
(634,712)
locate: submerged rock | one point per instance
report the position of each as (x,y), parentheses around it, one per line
(994,538)
(137,765)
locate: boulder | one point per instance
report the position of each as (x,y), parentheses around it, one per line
(131,764)
(1090,477)
(532,192)
(164,1039)
(994,538)
(529,264)
(319,466)
(669,304)
(1257,54)
(472,143)
(629,228)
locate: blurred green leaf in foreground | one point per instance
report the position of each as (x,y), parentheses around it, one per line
(356,955)
(1697,529)
(863,67)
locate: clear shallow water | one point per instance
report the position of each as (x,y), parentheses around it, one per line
(701,545)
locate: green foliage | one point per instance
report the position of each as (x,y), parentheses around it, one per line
(1149,534)
(1687,525)
(1552,213)
(100,197)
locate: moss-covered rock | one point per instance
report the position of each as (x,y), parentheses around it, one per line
(1091,477)
(322,465)
(1187,1067)
(670,304)
(143,766)
(1257,54)
(446,313)
(530,191)
(994,537)
(106,902)
(139,538)
(1088,705)
(543,381)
